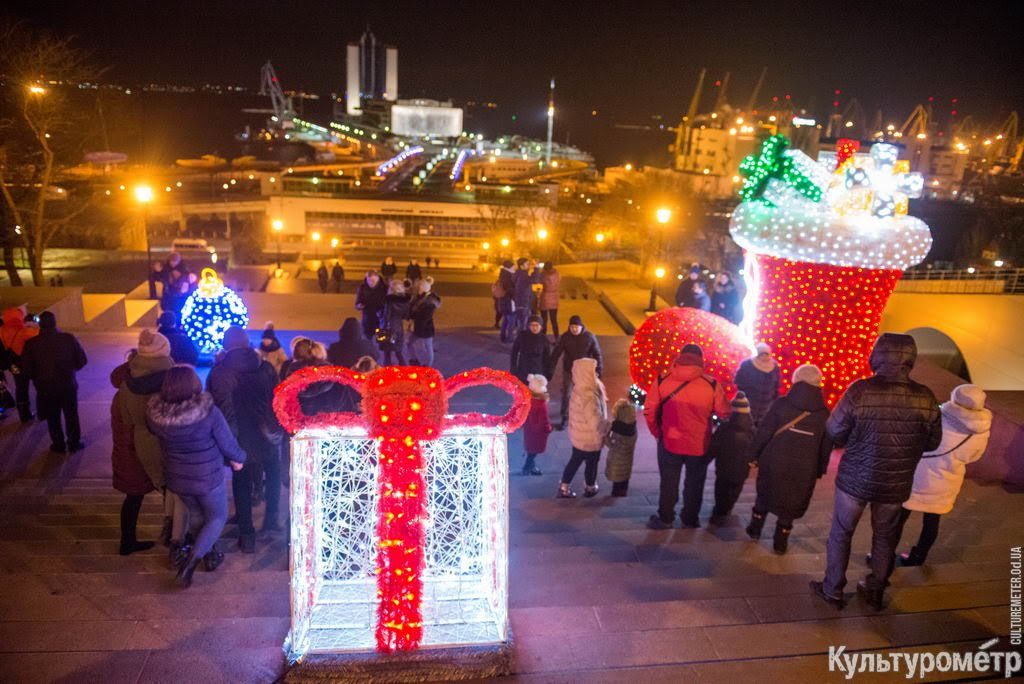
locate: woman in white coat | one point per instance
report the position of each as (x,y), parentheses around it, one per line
(588,424)
(940,474)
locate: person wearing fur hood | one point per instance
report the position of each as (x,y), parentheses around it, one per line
(588,424)
(758,378)
(197,444)
(538,424)
(966,425)
(621,443)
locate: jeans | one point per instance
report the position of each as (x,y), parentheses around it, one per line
(241,487)
(726,495)
(213,508)
(929,533)
(590,470)
(53,405)
(885,530)
(670,468)
(522,317)
(177,511)
(421,350)
(545,314)
(508,325)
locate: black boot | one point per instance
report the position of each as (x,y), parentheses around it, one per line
(874,597)
(184,576)
(130,546)
(212,560)
(755,526)
(781,541)
(910,560)
(178,553)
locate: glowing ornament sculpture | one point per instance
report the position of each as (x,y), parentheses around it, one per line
(661,337)
(399,514)
(210,311)
(826,267)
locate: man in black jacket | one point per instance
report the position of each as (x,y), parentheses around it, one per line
(575,343)
(182,348)
(242,386)
(885,423)
(51,360)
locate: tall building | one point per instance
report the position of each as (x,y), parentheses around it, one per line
(371,72)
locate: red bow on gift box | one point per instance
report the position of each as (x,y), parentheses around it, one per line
(402,407)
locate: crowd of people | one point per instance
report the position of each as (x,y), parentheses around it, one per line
(902,451)
(723,298)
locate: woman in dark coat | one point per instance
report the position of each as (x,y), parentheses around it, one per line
(758,378)
(130,477)
(791,449)
(725,299)
(531,352)
(197,445)
(730,449)
(351,345)
(370,300)
(396,310)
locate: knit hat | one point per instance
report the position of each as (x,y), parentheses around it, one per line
(740,404)
(535,319)
(268,331)
(538,384)
(575,320)
(969,396)
(763,348)
(235,338)
(167,320)
(153,344)
(47,320)
(807,373)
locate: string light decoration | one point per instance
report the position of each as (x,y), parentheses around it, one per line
(661,337)
(825,269)
(773,162)
(637,395)
(399,513)
(210,310)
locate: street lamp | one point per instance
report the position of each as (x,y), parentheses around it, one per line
(316,244)
(599,239)
(652,305)
(278,226)
(144,195)
(36,90)
(663,215)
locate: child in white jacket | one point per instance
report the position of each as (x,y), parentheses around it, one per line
(588,424)
(940,474)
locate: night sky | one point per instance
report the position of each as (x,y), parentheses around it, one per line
(628,60)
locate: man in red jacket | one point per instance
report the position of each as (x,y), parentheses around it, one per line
(679,409)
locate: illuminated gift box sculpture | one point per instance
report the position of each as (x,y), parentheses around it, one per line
(830,240)
(399,514)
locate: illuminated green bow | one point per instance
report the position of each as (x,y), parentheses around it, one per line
(771,162)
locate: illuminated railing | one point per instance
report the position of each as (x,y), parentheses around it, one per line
(964,281)
(398,159)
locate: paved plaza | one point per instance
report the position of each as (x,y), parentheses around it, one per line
(595,597)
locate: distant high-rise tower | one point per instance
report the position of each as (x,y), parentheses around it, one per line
(371,72)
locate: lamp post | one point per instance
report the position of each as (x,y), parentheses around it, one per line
(144,195)
(278,226)
(652,305)
(504,244)
(316,245)
(542,236)
(599,239)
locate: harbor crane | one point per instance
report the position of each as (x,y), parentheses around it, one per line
(284,112)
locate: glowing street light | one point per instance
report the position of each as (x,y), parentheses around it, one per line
(599,239)
(36,90)
(316,244)
(652,305)
(504,242)
(998,263)
(486,246)
(278,225)
(663,215)
(542,234)
(659,273)
(144,195)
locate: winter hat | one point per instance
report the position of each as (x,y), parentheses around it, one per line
(575,320)
(807,373)
(167,320)
(740,404)
(624,411)
(689,357)
(235,338)
(969,397)
(538,384)
(535,319)
(47,320)
(268,331)
(763,348)
(153,344)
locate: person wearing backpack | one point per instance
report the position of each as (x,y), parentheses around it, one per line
(679,410)
(966,425)
(791,450)
(13,335)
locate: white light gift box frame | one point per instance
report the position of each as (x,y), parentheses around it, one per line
(334,513)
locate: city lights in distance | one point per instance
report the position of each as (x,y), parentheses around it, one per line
(998,263)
